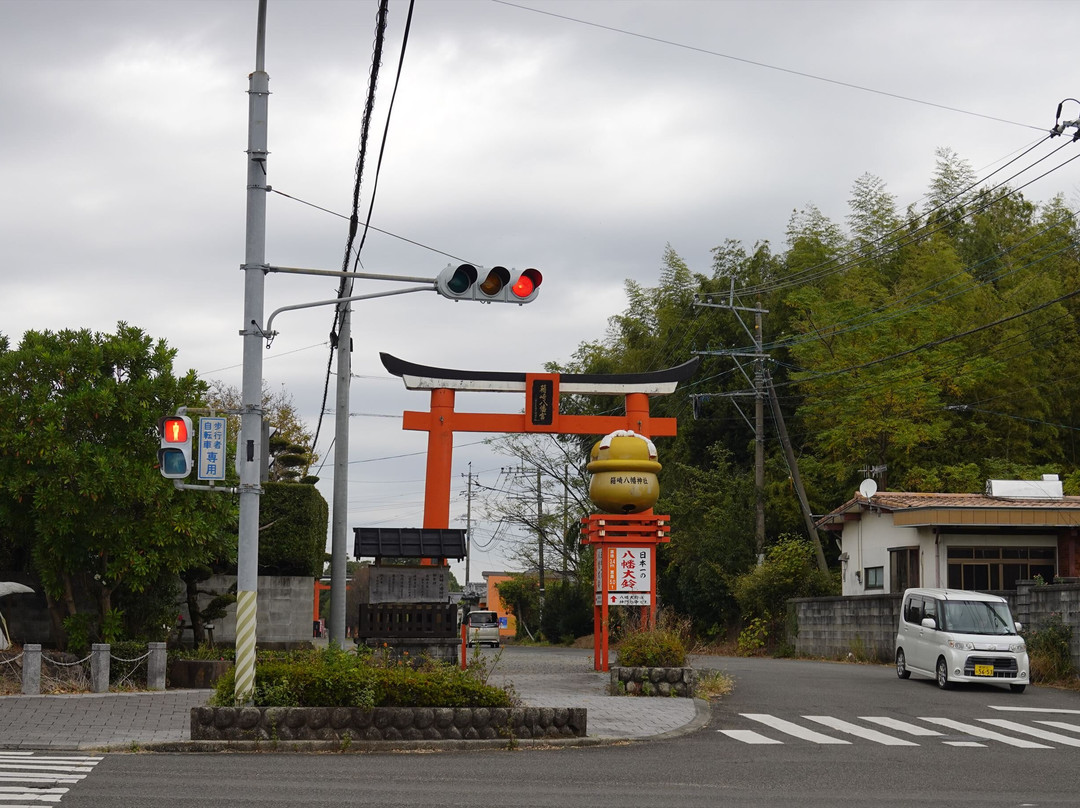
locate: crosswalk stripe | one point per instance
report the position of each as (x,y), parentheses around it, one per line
(748,736)
(44,767)
(1061,725)
(792,728)
(1015,709)
(1043,734)
(30,777)
(900,726)
(981,732)
(859,732)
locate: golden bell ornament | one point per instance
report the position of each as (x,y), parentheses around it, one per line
(623,468)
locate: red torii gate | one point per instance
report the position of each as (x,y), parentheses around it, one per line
(542,391)
(541,415)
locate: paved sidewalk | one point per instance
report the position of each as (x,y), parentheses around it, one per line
(542,677)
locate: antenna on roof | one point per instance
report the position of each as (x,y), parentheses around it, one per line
(868,487)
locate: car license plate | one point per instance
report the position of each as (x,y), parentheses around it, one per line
(984,670)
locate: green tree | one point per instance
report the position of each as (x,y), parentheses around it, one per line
(78,480)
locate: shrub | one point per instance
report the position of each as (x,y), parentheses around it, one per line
(336,678)
(661,647)
(1048,650)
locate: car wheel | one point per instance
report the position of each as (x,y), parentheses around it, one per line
(1017,688)
(942,673)
(901,665)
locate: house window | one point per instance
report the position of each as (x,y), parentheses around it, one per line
(903,568)
(874,577)
(999,568)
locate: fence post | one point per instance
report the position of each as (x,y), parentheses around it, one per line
(31,669)
(155,667)
(99,667)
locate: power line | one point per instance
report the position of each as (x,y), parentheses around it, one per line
(765,65)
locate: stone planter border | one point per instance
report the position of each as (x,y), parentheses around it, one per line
(678,682)
(349,724)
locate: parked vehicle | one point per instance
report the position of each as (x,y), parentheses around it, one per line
(482,628)
(954,635)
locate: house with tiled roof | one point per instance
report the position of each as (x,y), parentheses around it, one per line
(1016,530)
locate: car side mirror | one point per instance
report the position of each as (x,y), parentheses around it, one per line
(1018,625)
(929,622)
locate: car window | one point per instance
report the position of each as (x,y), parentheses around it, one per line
(977,617)
(913,612)
(483,619)
(930,610)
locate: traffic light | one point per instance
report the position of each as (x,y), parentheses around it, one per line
(495,285)
(174,456)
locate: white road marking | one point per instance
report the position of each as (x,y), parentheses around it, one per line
(1014,709)
(748,736)
(794,729)
(901,726)
(859,732)
(1035,732)
(981,732)
(1061,725)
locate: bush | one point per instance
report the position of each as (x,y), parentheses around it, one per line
(661,647)
(336,678)
(788,571)
(1048,650)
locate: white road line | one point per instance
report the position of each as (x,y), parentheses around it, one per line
(748,736)
(794,729)
(859,732)
(1013,709)
(981,732)
(41,778)
(901,726)
(1061,725)
(33,795)
(34,766)
(964,743)
(1034,732)
(57,759)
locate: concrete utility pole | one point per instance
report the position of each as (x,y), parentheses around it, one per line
(339,527)
(251,450)
(758,383)
(468,524)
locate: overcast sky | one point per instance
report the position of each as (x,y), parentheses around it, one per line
(577,137)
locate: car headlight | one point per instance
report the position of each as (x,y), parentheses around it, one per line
(1018,648)
(960,645)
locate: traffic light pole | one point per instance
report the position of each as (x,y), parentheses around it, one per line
(251,449)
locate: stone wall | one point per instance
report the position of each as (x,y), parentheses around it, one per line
(385,723)
(681,682)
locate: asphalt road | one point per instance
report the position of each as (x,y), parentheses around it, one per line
(760,749)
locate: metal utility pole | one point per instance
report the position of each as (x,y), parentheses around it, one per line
(250,456)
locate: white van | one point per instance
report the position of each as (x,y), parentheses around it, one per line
(482,628)
(953,635)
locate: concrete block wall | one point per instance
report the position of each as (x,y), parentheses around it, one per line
(865,625)
(284,610)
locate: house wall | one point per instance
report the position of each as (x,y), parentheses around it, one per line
(865,626)
(495,603)
(867,541)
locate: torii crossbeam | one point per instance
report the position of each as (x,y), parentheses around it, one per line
(541,413)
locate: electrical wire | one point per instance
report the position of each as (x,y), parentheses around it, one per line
(765,65)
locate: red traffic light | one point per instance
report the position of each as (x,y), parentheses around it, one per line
(174,429)
(527,283)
